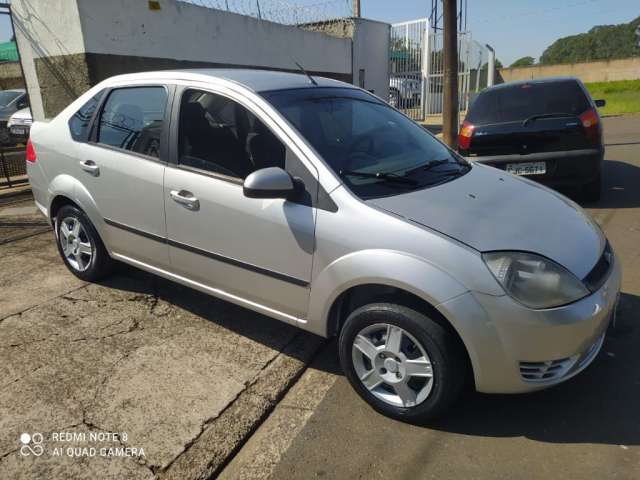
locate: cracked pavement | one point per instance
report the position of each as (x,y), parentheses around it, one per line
(187,377)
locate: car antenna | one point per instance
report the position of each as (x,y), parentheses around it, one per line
(311,79)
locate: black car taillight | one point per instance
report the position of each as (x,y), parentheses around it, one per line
(464,137)
(591,124)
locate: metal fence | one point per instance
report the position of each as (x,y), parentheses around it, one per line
(417,68)
(282,11)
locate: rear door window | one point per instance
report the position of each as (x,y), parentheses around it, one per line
(519,102)
(132,119)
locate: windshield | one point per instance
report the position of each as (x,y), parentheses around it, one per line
(7,97)
(376,150)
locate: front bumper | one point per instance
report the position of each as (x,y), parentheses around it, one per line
(564,169)
(515,349)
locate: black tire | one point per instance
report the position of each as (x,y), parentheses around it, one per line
(448,360)
(101,264)
(592,191)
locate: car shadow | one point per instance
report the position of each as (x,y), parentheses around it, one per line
(600,405)
(242,321)
(620,181)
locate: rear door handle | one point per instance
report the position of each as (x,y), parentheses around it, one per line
(90,166)
(185,198)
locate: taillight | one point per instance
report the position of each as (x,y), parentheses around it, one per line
(591,124)
(464,137)
(30,153)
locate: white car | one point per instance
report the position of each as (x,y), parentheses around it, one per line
(19,124)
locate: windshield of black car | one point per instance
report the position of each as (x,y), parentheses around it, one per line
(7,97)
(516,103)
(356,133)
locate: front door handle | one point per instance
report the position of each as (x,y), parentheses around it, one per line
(90,166)
(185,198)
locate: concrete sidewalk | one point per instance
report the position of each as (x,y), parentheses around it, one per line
(182,378)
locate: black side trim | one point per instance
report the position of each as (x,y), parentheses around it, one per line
(142,233)
(214,256)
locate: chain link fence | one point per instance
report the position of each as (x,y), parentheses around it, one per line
(282,11)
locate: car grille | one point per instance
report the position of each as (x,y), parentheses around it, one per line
(544,371)
(599,273)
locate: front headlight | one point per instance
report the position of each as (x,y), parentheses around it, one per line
(534,281)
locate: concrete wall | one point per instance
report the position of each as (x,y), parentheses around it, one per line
(370,53)
(69,45)
(10,76)
(49,39)
(189,32)
(604,71)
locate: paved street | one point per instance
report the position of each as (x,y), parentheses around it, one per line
(586,428)
(203,386)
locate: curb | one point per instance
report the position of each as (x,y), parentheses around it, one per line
(15,191)
(224,436)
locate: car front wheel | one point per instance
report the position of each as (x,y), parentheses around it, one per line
(80,245)
(404,364)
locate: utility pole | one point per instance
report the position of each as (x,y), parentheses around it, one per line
(450,108)
(356,8)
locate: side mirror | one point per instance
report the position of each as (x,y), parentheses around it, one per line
(600,103)
(271,182)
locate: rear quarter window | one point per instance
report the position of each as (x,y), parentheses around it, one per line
(79,122)
(519,102)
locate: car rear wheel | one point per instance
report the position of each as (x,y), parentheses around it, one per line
(80,245)
(401,362)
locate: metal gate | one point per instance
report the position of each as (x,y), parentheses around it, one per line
(417,68)
(408,69)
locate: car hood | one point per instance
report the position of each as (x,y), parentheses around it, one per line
(22,114)
(488,210)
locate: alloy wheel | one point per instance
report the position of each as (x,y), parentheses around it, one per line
(75,243)
(392,365)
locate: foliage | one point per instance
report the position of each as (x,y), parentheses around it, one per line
(600,43)
(523,62)
(622,96)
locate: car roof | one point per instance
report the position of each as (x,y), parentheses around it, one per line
(18,90)
(253,79)
(535,81)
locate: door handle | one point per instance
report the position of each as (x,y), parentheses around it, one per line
(90,166)
(185,198)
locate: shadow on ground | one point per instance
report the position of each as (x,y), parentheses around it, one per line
(598,406)
(245,322)
(620,187)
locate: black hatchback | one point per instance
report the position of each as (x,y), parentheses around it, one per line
(548,130)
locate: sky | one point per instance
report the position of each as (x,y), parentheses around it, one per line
(516,28)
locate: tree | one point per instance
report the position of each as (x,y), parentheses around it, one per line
(602,42)
(523,62)
(499,63)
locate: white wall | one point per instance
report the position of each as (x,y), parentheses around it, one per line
(190,32)
(371,53)
(44,28)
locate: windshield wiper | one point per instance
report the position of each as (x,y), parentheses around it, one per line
(427,166)
(546,115)
(390,177)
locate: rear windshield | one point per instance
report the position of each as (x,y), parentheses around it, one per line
(518,102)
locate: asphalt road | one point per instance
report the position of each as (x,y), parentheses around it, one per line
(588,427)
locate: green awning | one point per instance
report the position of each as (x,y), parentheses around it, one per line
(8,52)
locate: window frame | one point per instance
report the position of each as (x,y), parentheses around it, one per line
(92,138)
(174,158)
(322,200)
